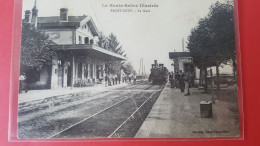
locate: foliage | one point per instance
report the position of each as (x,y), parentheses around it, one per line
(103,41)
(212,42)
(127,68)
(114,66)
(36,50)
(112,44)
(221,22)
(199,43)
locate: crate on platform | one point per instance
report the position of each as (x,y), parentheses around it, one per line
(206,109)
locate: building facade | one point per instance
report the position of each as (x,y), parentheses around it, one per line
(79,58)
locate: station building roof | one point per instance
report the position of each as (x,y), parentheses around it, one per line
(91,50)
(173,55)
(72,22)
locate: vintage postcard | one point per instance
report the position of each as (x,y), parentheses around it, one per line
(128,69)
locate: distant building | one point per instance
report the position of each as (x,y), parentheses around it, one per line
(182,61)
(76,36)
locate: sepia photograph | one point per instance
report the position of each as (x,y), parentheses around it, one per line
(128,69)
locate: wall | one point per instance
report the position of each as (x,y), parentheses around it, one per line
(60,36)
(223,69)
(183,60)
(84,31)
(43,82)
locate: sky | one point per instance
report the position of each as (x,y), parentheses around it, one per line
(148,35)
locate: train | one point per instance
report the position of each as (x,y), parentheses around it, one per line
(159,74)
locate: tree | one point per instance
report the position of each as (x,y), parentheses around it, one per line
(36,50)
(221,23)
(212,42)
(103,41)
(112,44)
(127,68)
(199,44)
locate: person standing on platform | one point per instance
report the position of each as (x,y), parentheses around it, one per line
(106,80)
(116,79)
(119,79)
(22,83)
(177,79)
(129,79)
(170,76)
(192,78)
(113,79)
(187,81)
(109,80)
(181,81)
(134,79)
(171,79)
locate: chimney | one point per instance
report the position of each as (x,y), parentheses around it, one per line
(155,63)
(27,16)
(63,14)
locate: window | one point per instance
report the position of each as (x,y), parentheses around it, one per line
(80,40)
(91,41)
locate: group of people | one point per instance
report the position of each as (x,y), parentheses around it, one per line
(113,79)
(182,80)
(131,78)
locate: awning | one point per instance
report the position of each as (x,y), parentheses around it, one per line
(89,47)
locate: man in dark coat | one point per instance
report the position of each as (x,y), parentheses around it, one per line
(171,79)
(177,79)
(187,83)
(181,82)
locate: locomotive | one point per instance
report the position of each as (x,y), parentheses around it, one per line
(159,74)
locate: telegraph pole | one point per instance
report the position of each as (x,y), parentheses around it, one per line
(182,44)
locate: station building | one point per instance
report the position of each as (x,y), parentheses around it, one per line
(182,61)
(75,36)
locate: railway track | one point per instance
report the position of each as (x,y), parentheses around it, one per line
(108,121)
(112,121)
